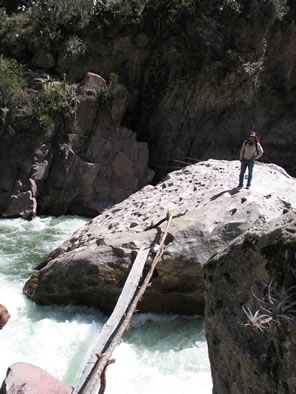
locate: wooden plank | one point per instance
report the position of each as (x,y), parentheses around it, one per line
(98,378)
(85,384)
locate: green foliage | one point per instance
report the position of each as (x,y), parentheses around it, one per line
(55,98)
(115,87)
(13,27)
(12,80)
(54,20)
(118,14)
(112,90)
(75,47)
(192,35)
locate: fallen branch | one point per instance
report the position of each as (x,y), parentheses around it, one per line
(103,377)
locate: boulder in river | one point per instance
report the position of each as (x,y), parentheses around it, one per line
(4,316)
(208,213)
(23,378)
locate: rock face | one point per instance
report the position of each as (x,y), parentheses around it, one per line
(209,212)
(79,166)
(257,272)
(238,74)
(4,316)
(184,112)
(43,59)
(23,378)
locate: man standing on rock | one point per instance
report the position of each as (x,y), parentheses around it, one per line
(250,151)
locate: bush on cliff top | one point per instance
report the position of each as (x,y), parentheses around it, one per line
(52,22)
(12,80)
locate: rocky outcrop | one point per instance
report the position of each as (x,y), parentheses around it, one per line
(23,378)
(209,212)
(182,111)
(81,165)
(250,311)
(200,85)
(4,316)
(193,93)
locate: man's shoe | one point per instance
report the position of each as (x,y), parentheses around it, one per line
(248,187)
(239,186)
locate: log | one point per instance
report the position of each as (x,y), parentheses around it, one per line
(85,383)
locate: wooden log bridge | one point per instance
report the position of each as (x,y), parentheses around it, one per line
(93,379)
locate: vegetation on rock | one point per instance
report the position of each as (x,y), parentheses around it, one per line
(214,59)
(45,104)
(195,30)
(54,98)
(12,80)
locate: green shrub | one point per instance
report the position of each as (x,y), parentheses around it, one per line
(12,80)
(14,30)
(113,89)
(54,20)
(54,99)
(117,14)
(75,47)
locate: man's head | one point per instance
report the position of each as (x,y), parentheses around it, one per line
(252,136)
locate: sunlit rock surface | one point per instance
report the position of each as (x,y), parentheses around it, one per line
(209,212)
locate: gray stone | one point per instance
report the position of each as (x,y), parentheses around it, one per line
(43,59)
(207,217)
(256,272)
(4,316)
(24,378)
(119,105)
(142,40)
(24,204)
(92,81)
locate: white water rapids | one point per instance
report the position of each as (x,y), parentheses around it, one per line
(159,354)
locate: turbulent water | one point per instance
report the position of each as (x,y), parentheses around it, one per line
(159,354)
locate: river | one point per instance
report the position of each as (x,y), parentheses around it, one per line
(159,354)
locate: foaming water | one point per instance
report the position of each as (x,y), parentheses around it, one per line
(162,355)
(159,354)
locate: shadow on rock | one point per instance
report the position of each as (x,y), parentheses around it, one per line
(232,192)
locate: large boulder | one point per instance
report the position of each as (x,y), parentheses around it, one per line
(4,316)
(209,212)
(250,311)
(92,81)
(23,378)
